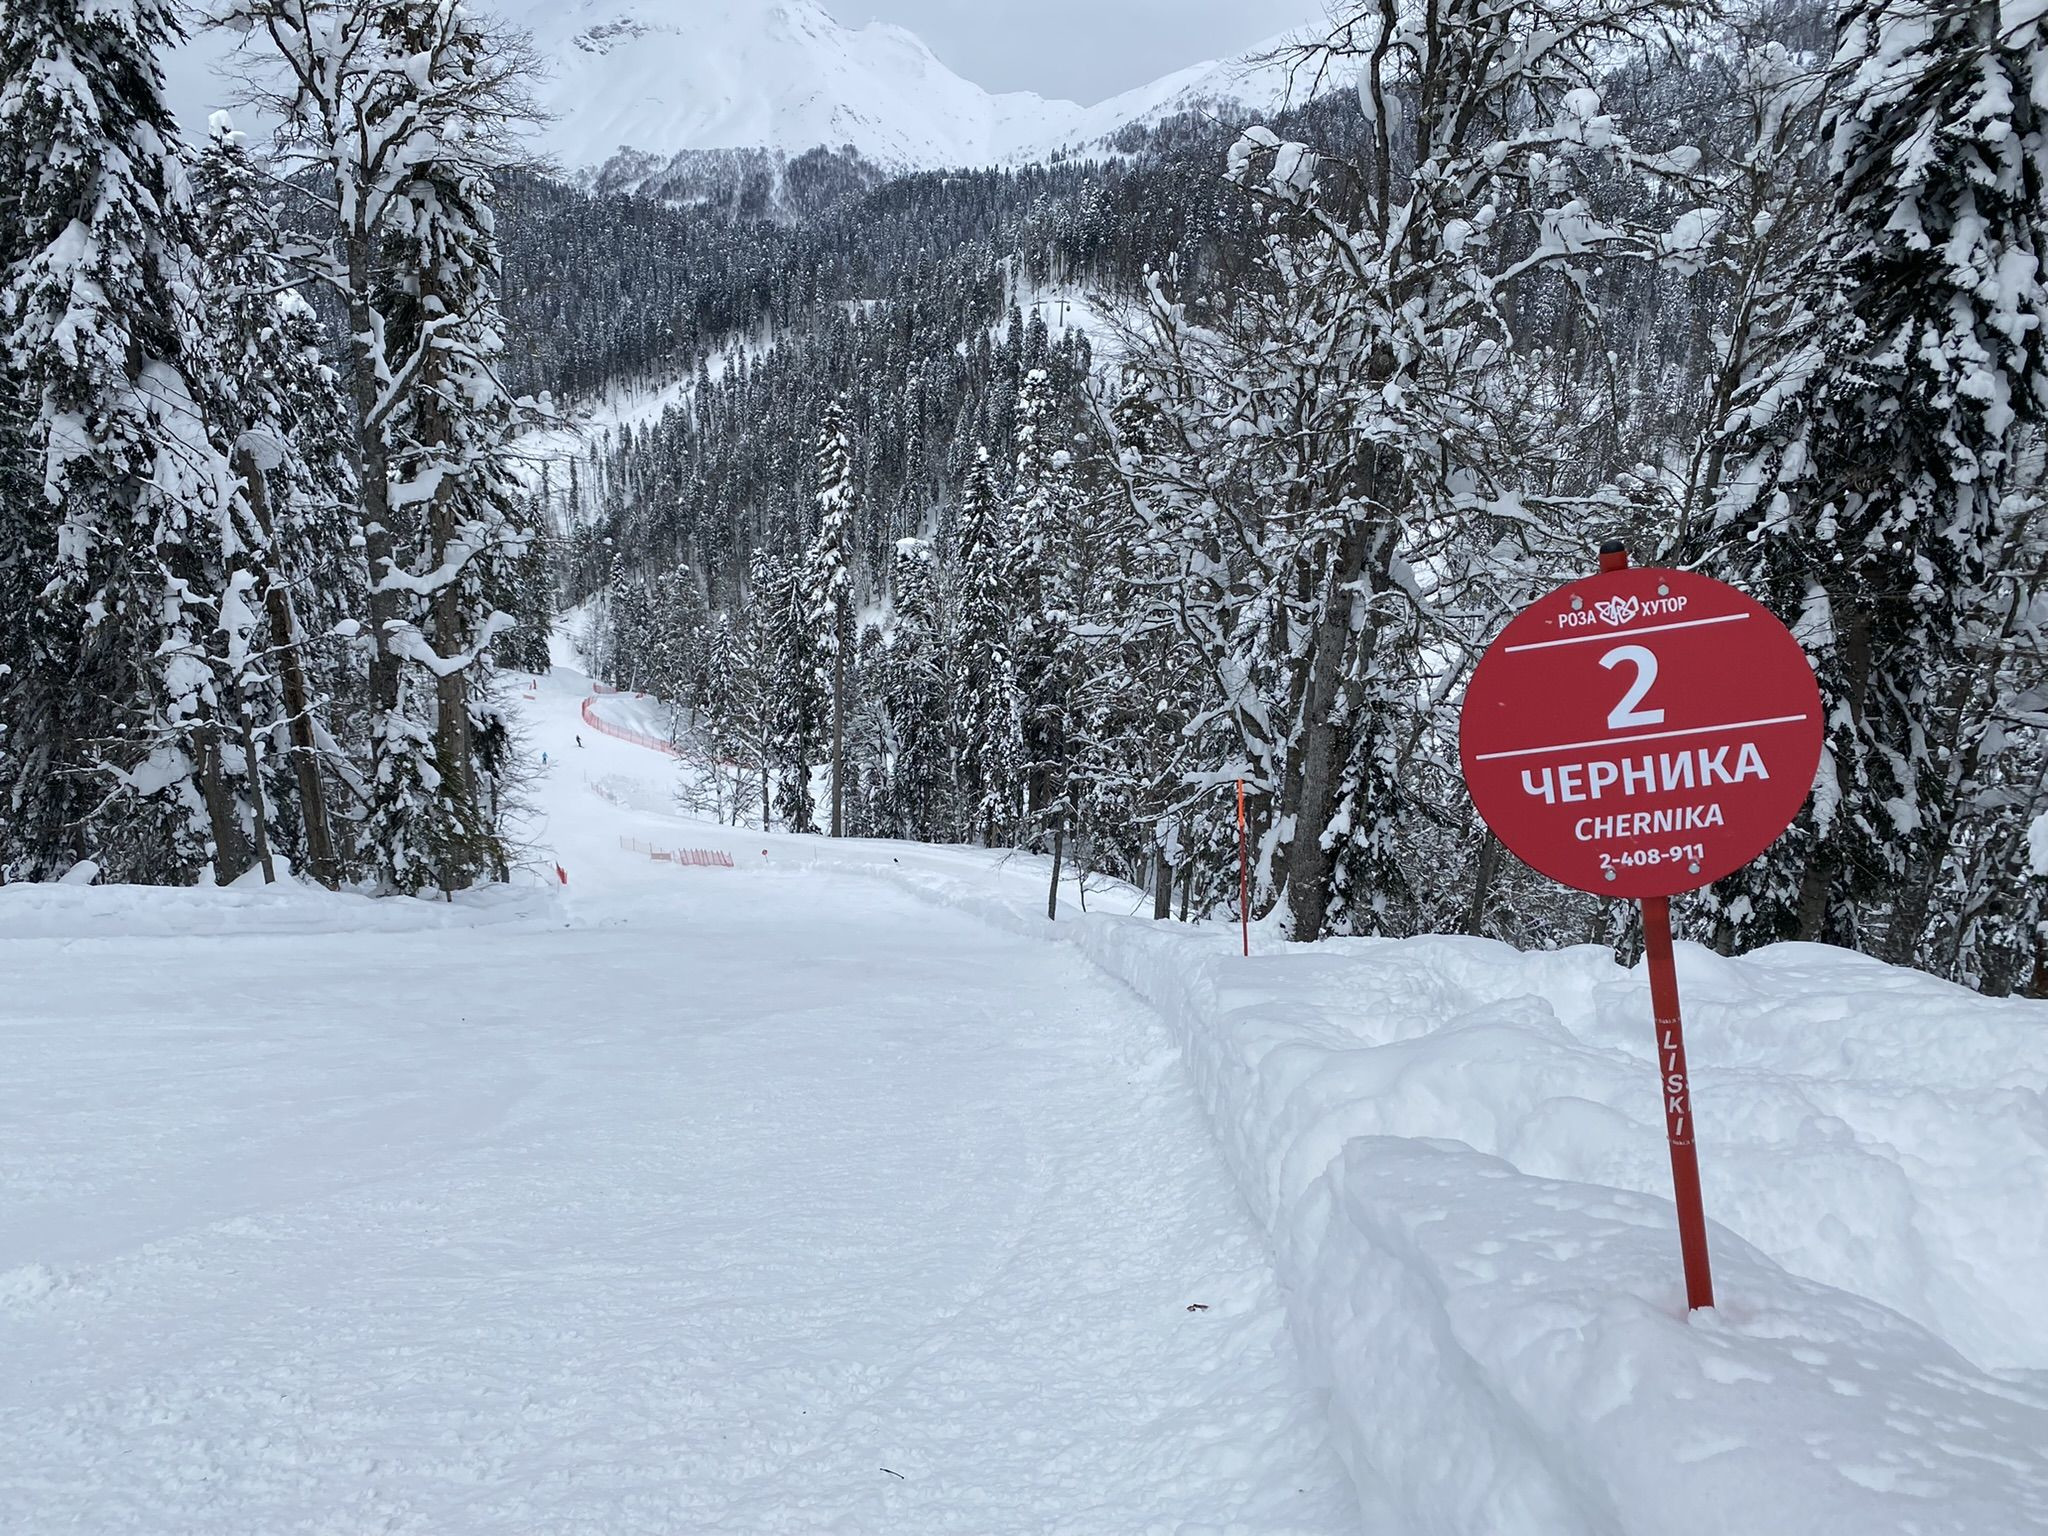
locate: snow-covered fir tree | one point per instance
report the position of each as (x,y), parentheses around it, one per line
(916,700)
(1884,461)
(281,413)
(827,592)
(400,114)
(1041,577)
(797,708)
(984,680)
(715,740)
(125,551)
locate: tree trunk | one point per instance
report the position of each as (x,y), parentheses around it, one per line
(1162,886)
(1482,886)
(1059,849)
(1814,889)
(253,765)
(839,719)
(286,643)
(373,479)
(1187,879)
(231,856)
(454,748)
(1322,751)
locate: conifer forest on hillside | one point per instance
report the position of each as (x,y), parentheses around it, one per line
(1031,506)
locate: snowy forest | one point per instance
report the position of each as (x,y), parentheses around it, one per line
(1034,507)
(263,541)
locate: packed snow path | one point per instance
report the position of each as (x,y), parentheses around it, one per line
(746,1202)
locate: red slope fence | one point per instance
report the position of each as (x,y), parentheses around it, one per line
(698,858)
(638,738)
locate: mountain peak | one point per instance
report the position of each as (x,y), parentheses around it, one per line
(659,77)
(655,76)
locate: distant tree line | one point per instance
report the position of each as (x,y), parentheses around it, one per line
(1761,295)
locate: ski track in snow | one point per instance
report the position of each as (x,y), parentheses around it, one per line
(689,1203)
(786,1198)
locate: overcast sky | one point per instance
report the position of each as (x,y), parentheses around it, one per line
(1085,50)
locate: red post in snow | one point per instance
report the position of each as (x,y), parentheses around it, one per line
(1244,874)
(1677,1086)
(1685,1157)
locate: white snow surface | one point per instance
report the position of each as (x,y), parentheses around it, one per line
(664,76)
(636,714)
(689,1200)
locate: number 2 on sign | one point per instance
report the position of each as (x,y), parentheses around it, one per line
(1625,714)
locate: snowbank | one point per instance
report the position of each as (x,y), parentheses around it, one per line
(133,911)
(1458,1152)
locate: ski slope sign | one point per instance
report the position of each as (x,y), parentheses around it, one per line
(1637,734)
(1641,732)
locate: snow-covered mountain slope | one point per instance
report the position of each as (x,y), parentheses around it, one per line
(661,77)
(1252,83)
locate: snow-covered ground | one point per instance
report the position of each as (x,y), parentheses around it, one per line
(837,1192)
(683,1200)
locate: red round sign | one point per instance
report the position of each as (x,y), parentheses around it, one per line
(1642,732)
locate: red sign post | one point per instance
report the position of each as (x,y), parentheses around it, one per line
(1638,734)
(1244,873)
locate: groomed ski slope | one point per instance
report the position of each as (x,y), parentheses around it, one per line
(1458,1154)
(695,1200)
(691,1200)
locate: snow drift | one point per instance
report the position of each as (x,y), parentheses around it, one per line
(1458,1152)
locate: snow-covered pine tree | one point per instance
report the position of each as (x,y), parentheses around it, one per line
(715,745)
(752,690)
(281,414)
(1769,213)
(671,649)
(1157,681)
(828,589)
(917,700)
(1883,461)
(872,746)
(125,561)
(398,116)
(1042,575)
(795,707)
(984,679)
(529,594)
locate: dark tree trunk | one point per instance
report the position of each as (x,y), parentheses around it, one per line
(839,720)
(454,748)
(373,479)
(286,643)
(1482,886)
(253,766)
(1187,879)
(1815,887)
(1059,849)
(231,857)
(1309,865)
